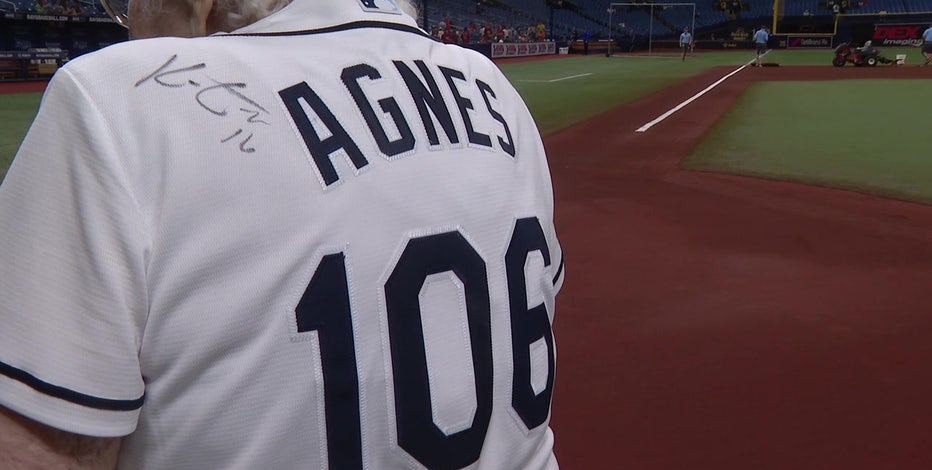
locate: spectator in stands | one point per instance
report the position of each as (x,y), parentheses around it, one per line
(49,7)
(42,7)
(487,33)
(734,9)
(67,8)
(448,36)
(71,8)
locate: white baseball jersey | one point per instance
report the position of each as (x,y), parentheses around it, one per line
(322,241)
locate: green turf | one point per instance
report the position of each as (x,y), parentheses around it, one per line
(863,135)
(611,82)
(16,113)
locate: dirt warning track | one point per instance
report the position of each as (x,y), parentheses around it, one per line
(720,322)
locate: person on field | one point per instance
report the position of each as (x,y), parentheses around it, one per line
(761,36)
(275,234)
(927,45)
(686,42)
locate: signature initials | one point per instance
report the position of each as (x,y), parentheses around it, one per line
(215,97)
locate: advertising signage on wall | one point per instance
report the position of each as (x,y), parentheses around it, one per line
(523,49)
(21,55)
(796,41)
(54,18)
(898,34)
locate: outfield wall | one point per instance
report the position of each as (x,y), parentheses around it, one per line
(884,32)
(882,29)
(76,34)
(513,49)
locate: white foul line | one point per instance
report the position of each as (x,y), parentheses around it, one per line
(557,79)
(567,78)
(695,97)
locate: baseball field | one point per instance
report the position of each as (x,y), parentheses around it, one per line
(748,255)
(717,321)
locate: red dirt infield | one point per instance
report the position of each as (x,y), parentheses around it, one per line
(23,87)
(721,322)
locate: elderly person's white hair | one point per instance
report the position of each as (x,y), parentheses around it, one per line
(234,14)
(192,18)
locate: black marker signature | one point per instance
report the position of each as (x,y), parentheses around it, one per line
(215,98)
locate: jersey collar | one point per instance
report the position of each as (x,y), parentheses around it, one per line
(303,15)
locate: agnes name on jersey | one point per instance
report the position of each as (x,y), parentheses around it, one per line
(425,94)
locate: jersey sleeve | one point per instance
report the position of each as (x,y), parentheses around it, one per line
(72,283)
(528,128)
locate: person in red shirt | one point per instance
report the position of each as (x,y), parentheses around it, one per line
(487,33)
(449,36)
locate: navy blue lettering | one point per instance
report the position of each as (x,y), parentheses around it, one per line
(405,143)
(325,308)
(320,149)
(417,432)
(428,100)
(464,105)
(486,90)
(528,324)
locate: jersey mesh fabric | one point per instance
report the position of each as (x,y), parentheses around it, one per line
(182,217)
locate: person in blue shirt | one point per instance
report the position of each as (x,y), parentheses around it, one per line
(686,41)
(927,45)
(761,36)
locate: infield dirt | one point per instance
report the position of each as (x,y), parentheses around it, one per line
(722,322)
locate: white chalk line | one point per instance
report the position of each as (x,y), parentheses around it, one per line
(695,97)
(558,79)
(622,55)
(570,77)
